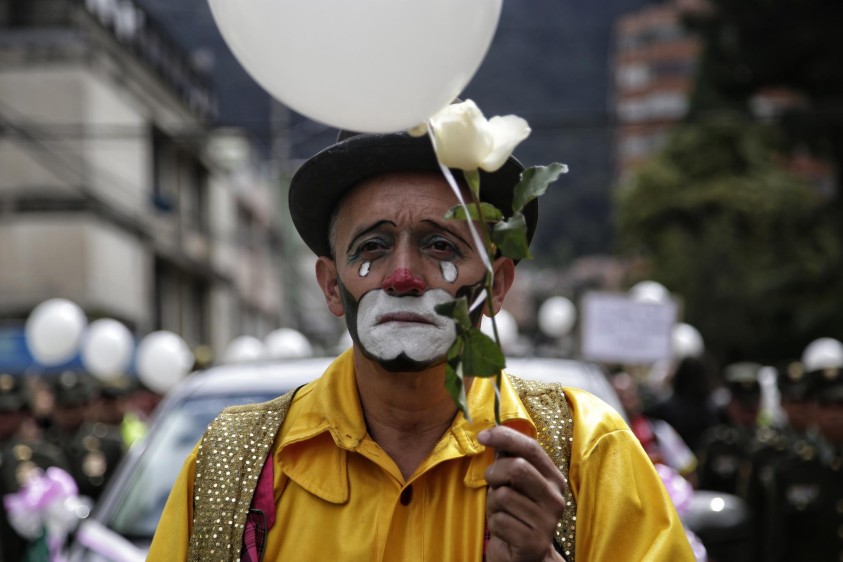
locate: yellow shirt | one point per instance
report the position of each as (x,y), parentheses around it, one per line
(340,497)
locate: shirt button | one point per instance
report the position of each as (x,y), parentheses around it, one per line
(407,495)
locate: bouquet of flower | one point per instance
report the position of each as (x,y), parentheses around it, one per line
(46,510)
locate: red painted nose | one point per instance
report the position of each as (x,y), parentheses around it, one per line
(402,281)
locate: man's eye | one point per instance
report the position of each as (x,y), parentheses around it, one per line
(444,249)
(370,247)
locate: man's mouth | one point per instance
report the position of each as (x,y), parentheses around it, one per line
(403,317)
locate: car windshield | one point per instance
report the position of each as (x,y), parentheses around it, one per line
(139,510)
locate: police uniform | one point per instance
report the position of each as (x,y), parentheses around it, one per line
(773,445)
(806,489)
(93,449)
(724,454)
(20,460)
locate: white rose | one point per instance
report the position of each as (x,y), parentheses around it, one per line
(464,139)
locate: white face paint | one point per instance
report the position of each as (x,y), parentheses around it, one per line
(449,270)
(364,268)
(389,326)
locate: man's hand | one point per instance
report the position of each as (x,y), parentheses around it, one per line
(524,502)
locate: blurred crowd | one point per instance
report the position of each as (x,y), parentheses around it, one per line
(70,421)
(770,436)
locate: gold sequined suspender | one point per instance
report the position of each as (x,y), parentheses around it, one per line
(548,407)
(228,463)
(235,445)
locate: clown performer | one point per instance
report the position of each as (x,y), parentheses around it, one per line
(377,460)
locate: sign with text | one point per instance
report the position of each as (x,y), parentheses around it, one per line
(616,328)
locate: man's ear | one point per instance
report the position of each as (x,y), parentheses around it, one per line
(504,269)
(326,276)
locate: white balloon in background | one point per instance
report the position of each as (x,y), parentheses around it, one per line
(243,349)
(163,359)
(823,353)
(107,348)
(54,330)
(345,342)
(362,65)
(686,341)
(507,329)
(285,343)
(557,315)
(649,291)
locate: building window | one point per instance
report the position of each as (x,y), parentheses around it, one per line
(633,77)
(180,183)
(181,301)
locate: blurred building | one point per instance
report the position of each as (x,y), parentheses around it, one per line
(115,190)
(654,69)
(654,63)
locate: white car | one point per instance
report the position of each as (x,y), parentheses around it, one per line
(124,520)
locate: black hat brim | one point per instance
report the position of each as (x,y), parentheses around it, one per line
(325,178)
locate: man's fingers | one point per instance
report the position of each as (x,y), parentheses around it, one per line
(520,475)
(506,500)
(519,529)
(519,445)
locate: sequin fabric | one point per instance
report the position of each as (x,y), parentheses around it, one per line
(235,445)
(228,463)
(549,410)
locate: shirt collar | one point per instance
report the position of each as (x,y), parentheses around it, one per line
(326,423)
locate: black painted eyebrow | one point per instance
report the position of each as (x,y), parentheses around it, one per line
(366,229)
(449,230)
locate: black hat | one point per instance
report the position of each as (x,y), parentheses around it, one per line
(793,382)
(13,396)
(827,384)
(322,180)
(73,389)
(116,387)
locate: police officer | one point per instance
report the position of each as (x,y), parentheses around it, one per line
(724,455)
(20,458)
(92,448)
(775,443)
(806,489)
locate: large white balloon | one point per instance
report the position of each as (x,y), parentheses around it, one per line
(285,343)
(345,342)
(362,65)
(507,329)
(649,291)
(823,353)
(686,341)
(557,315)
(107,348)
(243,349)
(163,359)
(53,331)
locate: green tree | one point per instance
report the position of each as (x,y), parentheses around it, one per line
(752,45)
(746,245)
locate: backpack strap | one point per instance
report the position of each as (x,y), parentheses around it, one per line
(229,461)
(549,410)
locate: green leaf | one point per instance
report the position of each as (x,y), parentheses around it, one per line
(490,212)
(458,310)
(511,237)
(534,182)
(472,178)
(482,356)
